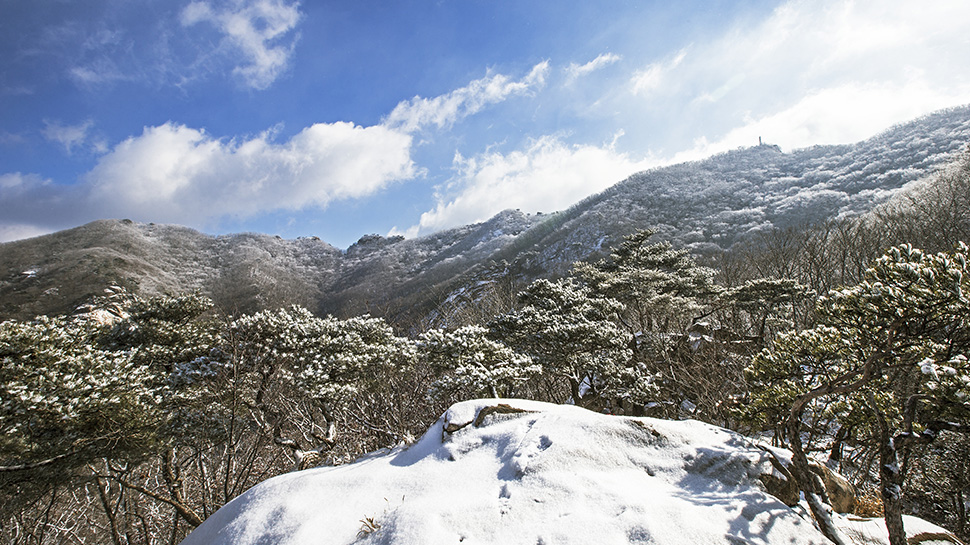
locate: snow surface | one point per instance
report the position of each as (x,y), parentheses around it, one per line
(553,475)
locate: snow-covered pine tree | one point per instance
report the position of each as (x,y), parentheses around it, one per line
(572,336)
(889,359)
(468,364)
(66,403)
(663,292)
(662,289)
(303,373)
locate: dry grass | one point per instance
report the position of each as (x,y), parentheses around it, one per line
(368,526)
(869,505)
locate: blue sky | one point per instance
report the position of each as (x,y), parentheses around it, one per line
(338,119)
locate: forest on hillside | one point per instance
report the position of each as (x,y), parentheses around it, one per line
(134,419)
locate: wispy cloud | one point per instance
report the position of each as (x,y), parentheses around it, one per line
(547,175)
(95,54)
(11,138)
(653,76)
(259,30)
(813,73)
(69,136)
(575,71)
(444,110)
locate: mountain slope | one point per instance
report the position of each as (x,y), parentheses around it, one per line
(718,201)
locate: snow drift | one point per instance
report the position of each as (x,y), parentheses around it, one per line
(515,471)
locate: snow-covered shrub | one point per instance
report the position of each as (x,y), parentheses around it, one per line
(584,354)
(468,364)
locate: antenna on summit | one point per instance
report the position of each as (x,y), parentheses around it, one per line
(759,141)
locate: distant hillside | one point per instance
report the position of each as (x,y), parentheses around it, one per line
(705,205)
(242,273)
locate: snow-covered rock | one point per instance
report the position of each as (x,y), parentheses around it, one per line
(513,471)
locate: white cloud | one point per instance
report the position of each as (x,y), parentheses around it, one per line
(254,28)
(654,75)
(11,232)
(548,175)
(444,110)
(835,115)
(175,173)
(69,136)
(811,73)
(97,73)
(575,71)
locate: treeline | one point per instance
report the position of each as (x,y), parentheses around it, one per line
(133,420)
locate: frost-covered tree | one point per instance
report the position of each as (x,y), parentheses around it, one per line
(67,404)
(935,214)
(888,358)
(174,338)
(303,373)
(662,289)
(572,336)
(67,401)
(761,307)
(667,305)
(469,364)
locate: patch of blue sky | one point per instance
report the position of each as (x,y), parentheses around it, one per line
(340,118)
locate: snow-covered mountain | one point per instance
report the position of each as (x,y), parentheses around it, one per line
(705,205)
(524,472)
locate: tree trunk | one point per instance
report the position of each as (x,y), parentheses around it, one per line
(891,490)
(574,390)
(890,478)
(835,453)
(108,511)
(961,512)
(809,482)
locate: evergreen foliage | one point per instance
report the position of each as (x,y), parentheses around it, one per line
(662,289)
(289,356)
(471,365)
(66,401)
(571,334)
(887,360)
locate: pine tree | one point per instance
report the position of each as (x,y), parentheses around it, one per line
(468,363)
(888,358)
(571,335)
(302,372)
(662,289)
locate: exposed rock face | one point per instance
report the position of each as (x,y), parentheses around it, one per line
(781,487)
(781,484)
(841,493)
